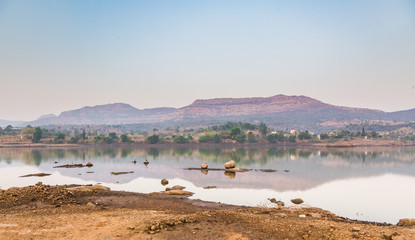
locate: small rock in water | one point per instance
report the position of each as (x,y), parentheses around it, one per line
(146,162)
(297,201)
(273,200)
(230,164)
(89,164)
(204,171)
(164,182)
(204,166)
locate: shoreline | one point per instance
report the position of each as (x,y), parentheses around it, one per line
(326,144)
(54,212)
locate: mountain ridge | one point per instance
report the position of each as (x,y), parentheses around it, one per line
(277,110)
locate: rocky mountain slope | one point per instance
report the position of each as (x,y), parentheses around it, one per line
(279,110)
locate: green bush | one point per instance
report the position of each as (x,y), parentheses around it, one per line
(153,139)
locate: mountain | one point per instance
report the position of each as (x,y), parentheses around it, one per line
(279,111)
(116,113)
(406,115)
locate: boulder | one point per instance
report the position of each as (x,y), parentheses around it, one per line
(164,182)
(204,166)
(89,164)
(406,222)
(230,164)
(297,201)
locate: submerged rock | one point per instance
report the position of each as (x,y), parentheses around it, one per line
(175,187)
(164,182)
(230,164)
(119,173)
(177,192)
(37,175)
(204,166)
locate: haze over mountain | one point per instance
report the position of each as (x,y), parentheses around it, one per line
(278,111)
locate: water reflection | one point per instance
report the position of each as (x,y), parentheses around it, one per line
(245,156)
(303,172)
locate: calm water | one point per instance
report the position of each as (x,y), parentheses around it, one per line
(366,184)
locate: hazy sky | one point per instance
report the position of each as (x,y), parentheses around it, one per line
(62,55)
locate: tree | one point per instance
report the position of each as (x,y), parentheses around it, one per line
(112,135)
(235,131)
(37,135)
(263,129)
(304,135)
(83,134)
(273,138)
(60,136)
(125,138)
(8,128)
(251,137)
(292,138)
(241,137)
(153,139)
(324,136)
(180,139)
(363,132)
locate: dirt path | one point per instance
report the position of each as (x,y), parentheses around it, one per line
(43,212)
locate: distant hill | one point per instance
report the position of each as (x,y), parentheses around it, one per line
(5,123)
(279,111)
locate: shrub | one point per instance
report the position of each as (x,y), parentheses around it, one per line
(153,139)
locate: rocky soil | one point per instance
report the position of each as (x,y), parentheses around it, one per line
(94,212)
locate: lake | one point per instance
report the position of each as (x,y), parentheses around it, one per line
(371,184)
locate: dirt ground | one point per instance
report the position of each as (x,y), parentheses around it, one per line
(53,212)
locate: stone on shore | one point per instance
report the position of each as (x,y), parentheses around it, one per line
(406,222)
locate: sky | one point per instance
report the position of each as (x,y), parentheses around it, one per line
(62,55)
